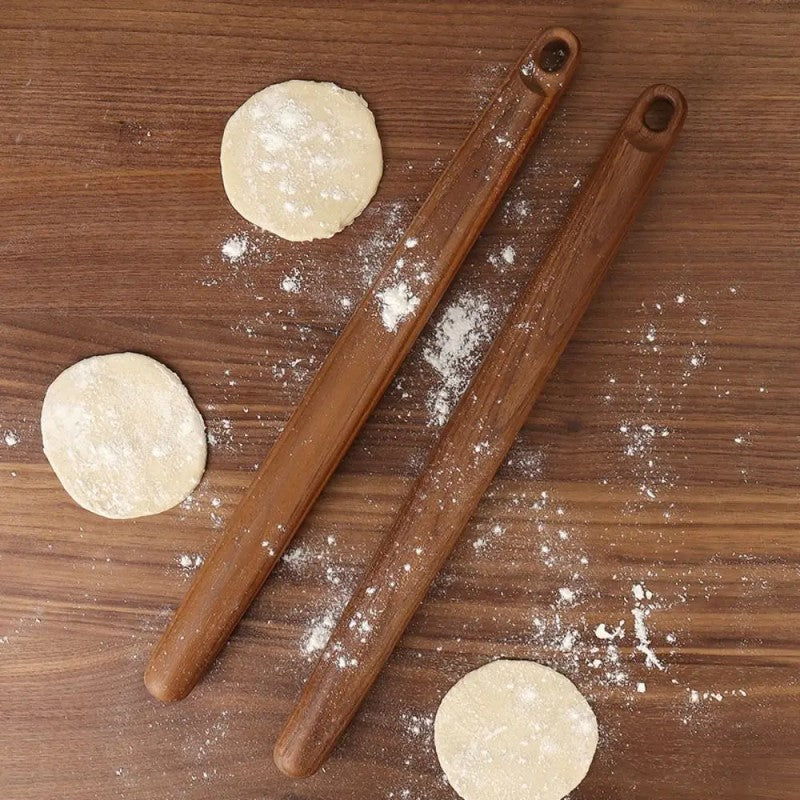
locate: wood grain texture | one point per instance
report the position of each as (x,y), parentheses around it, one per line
(357,370)
(479,435)
(108,235)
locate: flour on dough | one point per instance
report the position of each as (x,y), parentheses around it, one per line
(123,436)
(301,159)
(514,730)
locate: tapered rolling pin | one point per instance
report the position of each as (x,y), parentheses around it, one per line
(361,365)
(481,431)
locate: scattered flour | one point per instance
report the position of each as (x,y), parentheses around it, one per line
(390,223)
(485,540)
(188,562)
(642,443)
(319,633)
(602,632)
(566,595)
(454,350)
(292,283)
(297,557)
(234,248)
(396,303)
(641,611)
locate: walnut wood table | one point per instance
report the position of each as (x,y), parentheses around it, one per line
(666,443)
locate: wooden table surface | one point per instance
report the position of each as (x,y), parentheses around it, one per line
(664,453)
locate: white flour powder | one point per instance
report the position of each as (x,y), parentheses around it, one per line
(641,611)
(454,350)
(319,633)
(234,248)
(396,303)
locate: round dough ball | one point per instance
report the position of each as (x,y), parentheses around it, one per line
(301,159)
(514,730)
(123,436)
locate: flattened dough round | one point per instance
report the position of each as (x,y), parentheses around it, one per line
(123,436)
(514,730)
(301,159)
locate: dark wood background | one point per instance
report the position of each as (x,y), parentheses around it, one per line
(111,218)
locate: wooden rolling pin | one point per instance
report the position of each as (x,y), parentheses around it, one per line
(481,431)
(361,365)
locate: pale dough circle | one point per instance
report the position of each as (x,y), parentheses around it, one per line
(514,730)
(301,159)
(123,435)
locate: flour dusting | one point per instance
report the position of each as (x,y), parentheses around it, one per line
(188,561)
(607,633)
(234,248)
(396,303)
(292,283)
(319,633)
(454,351)
(641,611)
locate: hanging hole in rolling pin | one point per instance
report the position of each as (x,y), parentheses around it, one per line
(659,114)
(553,55)
(656,117)
(551,61)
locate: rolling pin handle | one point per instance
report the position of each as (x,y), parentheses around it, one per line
(550,62)
(656,117)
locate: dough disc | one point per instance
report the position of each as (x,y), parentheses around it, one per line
(123,436)
(301,159)
(514,730)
